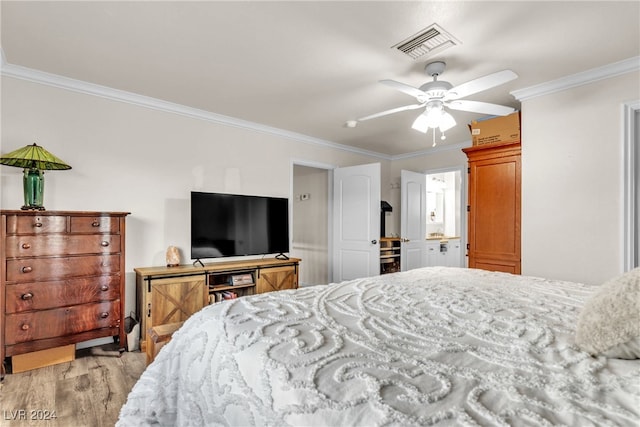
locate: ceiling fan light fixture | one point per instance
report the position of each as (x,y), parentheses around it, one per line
(421,123)
(434,113)
(447,122)
(434,117)
(438,94)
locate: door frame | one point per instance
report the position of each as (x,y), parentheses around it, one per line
(631,197)
(329,168)
(464,201)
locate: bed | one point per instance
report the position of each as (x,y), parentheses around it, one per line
(432,346)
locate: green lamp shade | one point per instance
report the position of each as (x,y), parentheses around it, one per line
(34,159)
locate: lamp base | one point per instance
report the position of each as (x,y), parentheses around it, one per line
(33,182)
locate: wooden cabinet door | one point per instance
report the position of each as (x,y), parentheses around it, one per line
(494,209)
(175,299)
(277,278)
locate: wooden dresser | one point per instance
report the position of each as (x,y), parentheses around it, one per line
(494,207)
(62,279)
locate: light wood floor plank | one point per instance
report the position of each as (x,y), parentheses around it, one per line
(74,400)
(88,391)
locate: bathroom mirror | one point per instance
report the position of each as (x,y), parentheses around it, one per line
(444,204)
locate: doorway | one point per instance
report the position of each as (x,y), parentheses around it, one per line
(433,220)
(631,228)
(310,211)
(335,221)
(446,213)
(444,203)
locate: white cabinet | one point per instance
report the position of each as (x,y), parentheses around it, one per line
(453,253)
(433,253)
(444,253)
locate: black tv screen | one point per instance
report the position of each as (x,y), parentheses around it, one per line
(234,225)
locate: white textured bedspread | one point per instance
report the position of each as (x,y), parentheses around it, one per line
(434,346)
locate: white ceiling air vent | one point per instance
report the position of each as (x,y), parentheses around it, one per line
(431,39)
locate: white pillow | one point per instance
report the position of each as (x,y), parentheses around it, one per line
(609,323)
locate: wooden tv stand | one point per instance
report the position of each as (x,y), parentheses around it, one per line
(172,294)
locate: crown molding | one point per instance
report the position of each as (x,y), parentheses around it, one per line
(61,82)
(585,77)
(54,80)
(432,150)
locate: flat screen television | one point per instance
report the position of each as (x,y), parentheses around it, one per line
(224,225)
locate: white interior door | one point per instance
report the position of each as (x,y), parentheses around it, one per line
(413,248)
(356,222)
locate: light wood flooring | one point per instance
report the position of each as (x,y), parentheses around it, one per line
(88,391)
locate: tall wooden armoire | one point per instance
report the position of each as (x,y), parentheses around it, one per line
(494,207)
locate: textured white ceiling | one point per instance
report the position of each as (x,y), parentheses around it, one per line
(309,66)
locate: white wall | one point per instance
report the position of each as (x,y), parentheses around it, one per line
(572,180)
(144,161)
(572,193)
(310,240)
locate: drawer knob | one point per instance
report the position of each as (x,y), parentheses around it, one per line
(104,315)
(37,224)
(104,243)
(24,327)
(104,288)
(26,269)
(27,296)
(95,224)
(26,246)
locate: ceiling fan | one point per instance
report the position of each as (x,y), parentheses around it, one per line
(435,95)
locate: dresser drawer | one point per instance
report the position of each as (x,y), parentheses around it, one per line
(30,224)
(36,269)
(22,327)
(95,224)
(60,244)
(60,293)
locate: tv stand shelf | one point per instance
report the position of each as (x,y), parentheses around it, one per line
(172,294)
(218,288)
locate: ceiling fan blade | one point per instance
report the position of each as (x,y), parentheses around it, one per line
(393,110)
(480,84)
(480,107)
(409,90)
